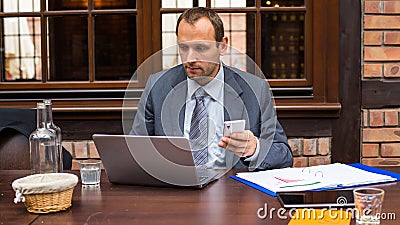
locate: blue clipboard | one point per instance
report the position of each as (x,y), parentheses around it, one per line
(356,165)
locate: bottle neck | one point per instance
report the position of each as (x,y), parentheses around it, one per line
(41,117)
(49,114)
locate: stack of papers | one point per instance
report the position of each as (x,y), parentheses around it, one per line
(321,177)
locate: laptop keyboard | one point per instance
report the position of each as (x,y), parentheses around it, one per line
(202,178)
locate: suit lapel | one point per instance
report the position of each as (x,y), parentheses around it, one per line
(233,103)
(174,104)
(234,108)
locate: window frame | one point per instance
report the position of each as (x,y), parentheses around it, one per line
(321,78)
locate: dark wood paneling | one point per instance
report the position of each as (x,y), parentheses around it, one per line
(346,129)
(380,94)
(84,129)
(307,127)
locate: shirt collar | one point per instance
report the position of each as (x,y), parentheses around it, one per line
(214,88)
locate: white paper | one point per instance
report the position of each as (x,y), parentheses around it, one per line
(314,177)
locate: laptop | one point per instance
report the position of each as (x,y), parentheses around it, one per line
(150,161)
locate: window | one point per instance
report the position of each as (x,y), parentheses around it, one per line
(83,53)
(84,40)
(294,42)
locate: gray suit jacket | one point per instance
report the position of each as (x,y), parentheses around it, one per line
(161,112)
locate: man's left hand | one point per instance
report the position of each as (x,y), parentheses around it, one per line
(243,143)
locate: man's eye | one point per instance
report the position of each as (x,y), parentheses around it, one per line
(183,47)
(200,48)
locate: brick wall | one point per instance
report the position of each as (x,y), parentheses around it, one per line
(306,151)
(381,40)
(381,137)
(310,151)
(81,150)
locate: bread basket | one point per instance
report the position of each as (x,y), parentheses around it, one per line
(45,193)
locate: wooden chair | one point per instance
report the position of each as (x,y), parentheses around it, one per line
(14,150)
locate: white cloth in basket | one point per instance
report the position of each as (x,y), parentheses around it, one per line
(45,183)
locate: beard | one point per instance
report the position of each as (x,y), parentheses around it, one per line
(203,72)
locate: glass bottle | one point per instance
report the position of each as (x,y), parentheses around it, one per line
(42,145)
(56,130)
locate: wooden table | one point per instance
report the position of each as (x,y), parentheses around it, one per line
(225,201)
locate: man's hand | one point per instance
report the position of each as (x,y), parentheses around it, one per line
(243,143)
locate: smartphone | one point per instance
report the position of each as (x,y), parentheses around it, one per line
(233,126)
(317,199)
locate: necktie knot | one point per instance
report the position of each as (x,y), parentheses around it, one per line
(199,94)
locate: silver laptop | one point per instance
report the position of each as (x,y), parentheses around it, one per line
(150,161)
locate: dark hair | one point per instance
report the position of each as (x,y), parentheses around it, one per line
(194,14)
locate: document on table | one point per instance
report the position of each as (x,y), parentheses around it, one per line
(330,176)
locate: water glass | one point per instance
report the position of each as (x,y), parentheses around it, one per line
(368,203)
(90,171)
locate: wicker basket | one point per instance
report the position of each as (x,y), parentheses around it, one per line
(45,193)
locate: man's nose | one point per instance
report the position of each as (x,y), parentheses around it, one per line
(191,56)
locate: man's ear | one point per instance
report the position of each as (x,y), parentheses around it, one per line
(223,45)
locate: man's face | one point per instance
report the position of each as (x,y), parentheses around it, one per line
(200,53)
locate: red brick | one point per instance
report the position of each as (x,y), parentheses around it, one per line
(300,161)
(381,53)
(373,38)
(381,161)
(310,147)
(373,70)
(370,150)
(376,118)
(319,160)
(81,150)
(75,164)
(391,118)
(372,7)
(392,70)
(93,151)
(68,146)
(381,134)
(392,38)
(296,145)
(381,22)
(390,150)
(324,147)
(391,7)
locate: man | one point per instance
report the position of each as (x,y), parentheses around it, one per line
(195,98)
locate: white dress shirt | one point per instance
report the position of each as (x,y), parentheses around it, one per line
(214,101)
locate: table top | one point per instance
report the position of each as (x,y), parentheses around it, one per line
(225,201)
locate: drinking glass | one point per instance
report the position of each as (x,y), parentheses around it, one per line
(90,171)
(368,202)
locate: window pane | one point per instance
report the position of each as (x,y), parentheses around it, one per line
(115,47)
(67,4)
(22,48)
(68,48)
(282,44)
(115,4)
(170,52)
(228,3)
(235,29)
(282,3)
(179,3)
(21,5)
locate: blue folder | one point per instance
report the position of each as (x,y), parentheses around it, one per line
(356,165)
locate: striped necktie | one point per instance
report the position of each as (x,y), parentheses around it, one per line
(198,134)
